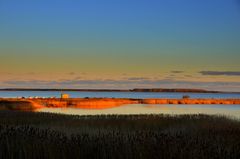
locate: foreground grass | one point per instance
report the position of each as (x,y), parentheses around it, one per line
(42,135)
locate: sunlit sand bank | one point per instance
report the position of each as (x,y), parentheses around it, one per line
(99,103)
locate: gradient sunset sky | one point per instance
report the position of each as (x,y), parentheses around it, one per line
(120,44)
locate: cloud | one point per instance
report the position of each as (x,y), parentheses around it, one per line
(77,78)
(188,76)
(177,71)
(220,73)
(137,78)
(71,73)
(122,84)
(30,73)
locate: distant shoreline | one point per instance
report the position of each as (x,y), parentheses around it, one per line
(156,90)
(101,103)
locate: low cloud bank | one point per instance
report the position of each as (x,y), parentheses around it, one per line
(177,71)
(220,73)
(122,84)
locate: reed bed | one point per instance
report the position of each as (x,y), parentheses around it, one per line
(30,135)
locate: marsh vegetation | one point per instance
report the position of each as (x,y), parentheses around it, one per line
(44,135)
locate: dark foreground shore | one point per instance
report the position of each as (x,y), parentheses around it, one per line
(32,135)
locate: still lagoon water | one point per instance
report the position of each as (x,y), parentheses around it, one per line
(232,111)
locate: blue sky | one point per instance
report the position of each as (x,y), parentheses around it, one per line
(120,39)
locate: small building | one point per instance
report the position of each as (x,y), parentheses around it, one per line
(65,96)
(186,97)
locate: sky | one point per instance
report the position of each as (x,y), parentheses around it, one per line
(120,44)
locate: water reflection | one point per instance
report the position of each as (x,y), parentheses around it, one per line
(227,110)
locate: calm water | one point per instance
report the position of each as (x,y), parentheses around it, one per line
(227,110)
(12,94)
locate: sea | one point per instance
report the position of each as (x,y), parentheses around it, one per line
(136,95)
